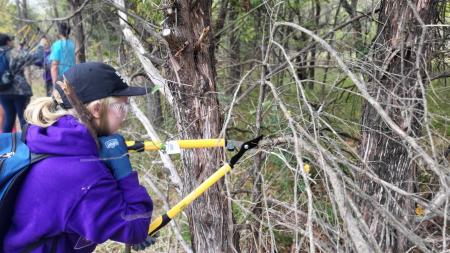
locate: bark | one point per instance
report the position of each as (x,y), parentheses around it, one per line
(78,31)
(397,88)
(196,109)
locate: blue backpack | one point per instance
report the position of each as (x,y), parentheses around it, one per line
(15,161)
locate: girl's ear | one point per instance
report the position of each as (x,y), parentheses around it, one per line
(96,110)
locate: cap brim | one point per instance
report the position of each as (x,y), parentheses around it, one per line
(130,91)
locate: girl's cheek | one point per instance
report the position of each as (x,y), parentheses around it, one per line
(115,125)
(114,122)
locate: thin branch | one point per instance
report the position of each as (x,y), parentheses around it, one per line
(167,161)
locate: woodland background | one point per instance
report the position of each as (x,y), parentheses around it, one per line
(357,89)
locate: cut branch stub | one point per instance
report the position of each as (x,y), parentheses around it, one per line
(202,37)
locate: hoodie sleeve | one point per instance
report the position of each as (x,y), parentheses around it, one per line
(40,57)
(24,59)
(119,210)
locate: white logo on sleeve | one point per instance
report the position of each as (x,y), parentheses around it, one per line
(111,143)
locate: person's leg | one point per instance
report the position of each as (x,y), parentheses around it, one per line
(20,103)
(49,87)
(10,113)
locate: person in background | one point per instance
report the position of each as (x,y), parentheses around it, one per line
(44,63)
(22,47)
(62,56)
(16,96)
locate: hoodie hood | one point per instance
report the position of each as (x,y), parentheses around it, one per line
(66,137)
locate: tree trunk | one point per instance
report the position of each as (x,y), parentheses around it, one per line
(316,14)
(356,25)
(235,47)
(55,8)
(22,8)
(19,8)
(25,9)
(22,13)
(78,31)
(220,22)
(257,196)
(196,109)
(302,59)
(397,88)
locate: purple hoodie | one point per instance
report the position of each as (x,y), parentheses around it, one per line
(72,198)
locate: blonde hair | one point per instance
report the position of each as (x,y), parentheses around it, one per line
(43,111)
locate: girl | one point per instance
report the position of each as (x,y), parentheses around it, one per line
(62,55)
(71,201)
(44,63)
(15,98)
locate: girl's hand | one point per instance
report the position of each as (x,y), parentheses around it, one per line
(149,241)
(114,153)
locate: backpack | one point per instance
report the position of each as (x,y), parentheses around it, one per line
(6,77)
(15,161)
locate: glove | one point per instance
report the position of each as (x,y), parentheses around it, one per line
(150,240)
(114,153)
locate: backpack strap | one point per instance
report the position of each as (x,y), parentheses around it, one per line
(5,52)
(37,157)
(34,157)
(24,133)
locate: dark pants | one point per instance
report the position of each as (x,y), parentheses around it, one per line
(13,105)
(49,88)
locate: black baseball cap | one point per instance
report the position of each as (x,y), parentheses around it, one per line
(97,80)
